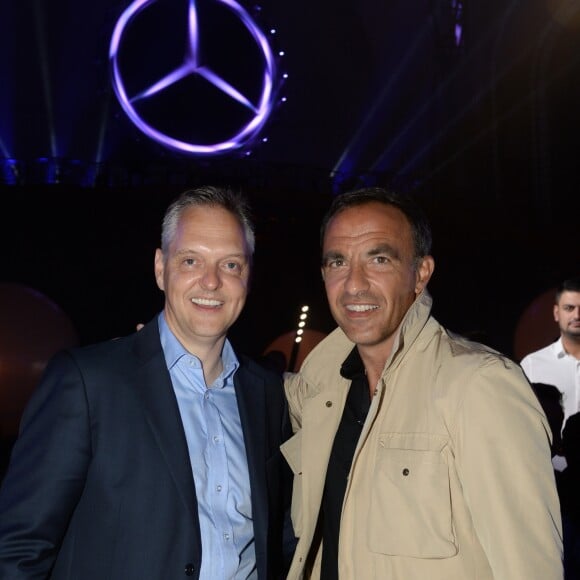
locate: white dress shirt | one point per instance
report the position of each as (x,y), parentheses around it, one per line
(552,365)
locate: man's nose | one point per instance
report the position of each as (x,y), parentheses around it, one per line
(210,278)
(356,280)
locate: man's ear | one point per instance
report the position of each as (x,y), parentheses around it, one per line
(556,313)
(424,272)
(159,267)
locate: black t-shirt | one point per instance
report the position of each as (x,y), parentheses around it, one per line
(345,441)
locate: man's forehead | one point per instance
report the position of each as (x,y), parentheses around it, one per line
(364,234)
(375,215)
(365,242)
(569,297)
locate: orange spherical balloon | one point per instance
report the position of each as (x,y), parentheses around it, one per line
(295,353)
(32,329)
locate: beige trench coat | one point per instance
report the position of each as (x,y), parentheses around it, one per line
(451,478)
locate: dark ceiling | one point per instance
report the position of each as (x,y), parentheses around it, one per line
(467,105)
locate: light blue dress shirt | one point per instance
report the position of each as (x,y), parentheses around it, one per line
(213,430)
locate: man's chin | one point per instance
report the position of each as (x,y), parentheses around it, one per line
(361,337)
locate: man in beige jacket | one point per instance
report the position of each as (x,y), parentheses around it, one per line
(417,454)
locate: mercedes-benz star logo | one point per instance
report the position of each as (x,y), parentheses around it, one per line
(137,105)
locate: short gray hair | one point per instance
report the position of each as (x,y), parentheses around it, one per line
(211,196)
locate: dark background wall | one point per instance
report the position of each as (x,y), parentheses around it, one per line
(468,106)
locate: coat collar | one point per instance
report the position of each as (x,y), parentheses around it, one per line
(327,356)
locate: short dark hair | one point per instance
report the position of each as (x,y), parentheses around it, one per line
(569,285)
(420,227)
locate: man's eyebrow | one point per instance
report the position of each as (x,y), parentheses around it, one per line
(235,255)
(190,251)
(385,249)
(185,252)
(331,255)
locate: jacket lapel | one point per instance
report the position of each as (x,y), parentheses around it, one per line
(250,394)
(153,382)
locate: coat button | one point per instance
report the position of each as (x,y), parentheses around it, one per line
(405,472)
(329,403)
(189,570)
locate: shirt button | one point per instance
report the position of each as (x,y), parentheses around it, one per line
(329,403)
(405,472)
(216,439)
(218,487)
(206,395)
(189,570)
(226,536)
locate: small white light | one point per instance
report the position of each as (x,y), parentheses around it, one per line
(303,316)
(305,309)
(298,339)
(299,332)
(301,324)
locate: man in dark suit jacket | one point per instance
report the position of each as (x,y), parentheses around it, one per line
(121,471)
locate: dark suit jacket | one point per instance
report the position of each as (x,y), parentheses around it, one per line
(100,484)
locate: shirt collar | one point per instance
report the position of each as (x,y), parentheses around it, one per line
(353,365)
(173,350)
(559,350)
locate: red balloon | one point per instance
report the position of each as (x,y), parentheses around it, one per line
(32,329)
(295,352)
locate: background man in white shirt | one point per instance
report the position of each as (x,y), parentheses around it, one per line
(559,363)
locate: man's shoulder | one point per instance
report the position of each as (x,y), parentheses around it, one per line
(106,347)
(334,347)
(116,351)
(546,352)
(464,353)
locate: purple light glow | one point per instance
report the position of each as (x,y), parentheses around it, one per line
(458,33)
(191,66)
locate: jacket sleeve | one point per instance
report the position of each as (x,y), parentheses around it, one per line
(296,390)
(502,448)
(46,473)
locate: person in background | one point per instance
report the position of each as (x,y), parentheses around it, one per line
(559,363)
(417,453)
(157,455)
(550,398)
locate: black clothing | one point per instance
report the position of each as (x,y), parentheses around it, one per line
(345,441)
